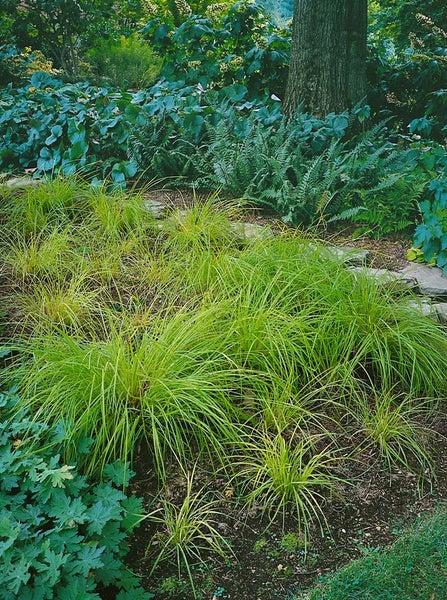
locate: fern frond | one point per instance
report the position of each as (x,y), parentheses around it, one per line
(347,214)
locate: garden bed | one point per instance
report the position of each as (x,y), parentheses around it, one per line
(284,415)
(269,559)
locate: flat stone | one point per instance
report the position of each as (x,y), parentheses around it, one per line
(440,308)
(349,256)
(22,182)
(251,231)
(158,209)
(384,276)
(424,306)
(430,281)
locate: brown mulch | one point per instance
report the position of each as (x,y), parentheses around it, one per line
(388,252)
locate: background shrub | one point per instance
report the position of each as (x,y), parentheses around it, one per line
(431,235)
(127,63)
(246,48)
(53,127)
(17,65)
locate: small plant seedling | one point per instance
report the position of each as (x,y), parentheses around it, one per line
(312,559)
(172,586)
(259,545)
(291,542)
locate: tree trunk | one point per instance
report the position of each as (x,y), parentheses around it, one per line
(327,70)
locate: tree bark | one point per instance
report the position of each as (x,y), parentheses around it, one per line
(327,70)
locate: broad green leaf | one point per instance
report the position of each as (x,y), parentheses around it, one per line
(99,515)
(88,559)
(41,80)
(118,473)
(235,92)
(56,477)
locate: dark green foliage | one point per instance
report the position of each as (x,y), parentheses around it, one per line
(214,120)
(431,235)
(88,131)
(385,185)
(182,122)
(64,29)
(308,169)
(289,167)
(389,207)
(13,64)
(52,127)
(245,48)
(60,536)
(192,131)
(55,27)
(396,19)
(414,568)
(408,66)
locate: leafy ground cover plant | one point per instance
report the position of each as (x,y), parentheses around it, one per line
(60,535)
(307,170)
(431,235)
(89,125)
(90,128)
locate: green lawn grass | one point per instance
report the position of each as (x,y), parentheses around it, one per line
(413,568)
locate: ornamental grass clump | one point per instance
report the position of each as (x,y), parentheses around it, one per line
(397,427)
(171,385)
(196,339)
(50,203)
(188,530)
(59,303)
(394,344)
(288,470)
(117,215)
(202,227)
(293,307)
(43,254)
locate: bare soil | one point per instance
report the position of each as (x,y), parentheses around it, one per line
(269,558)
